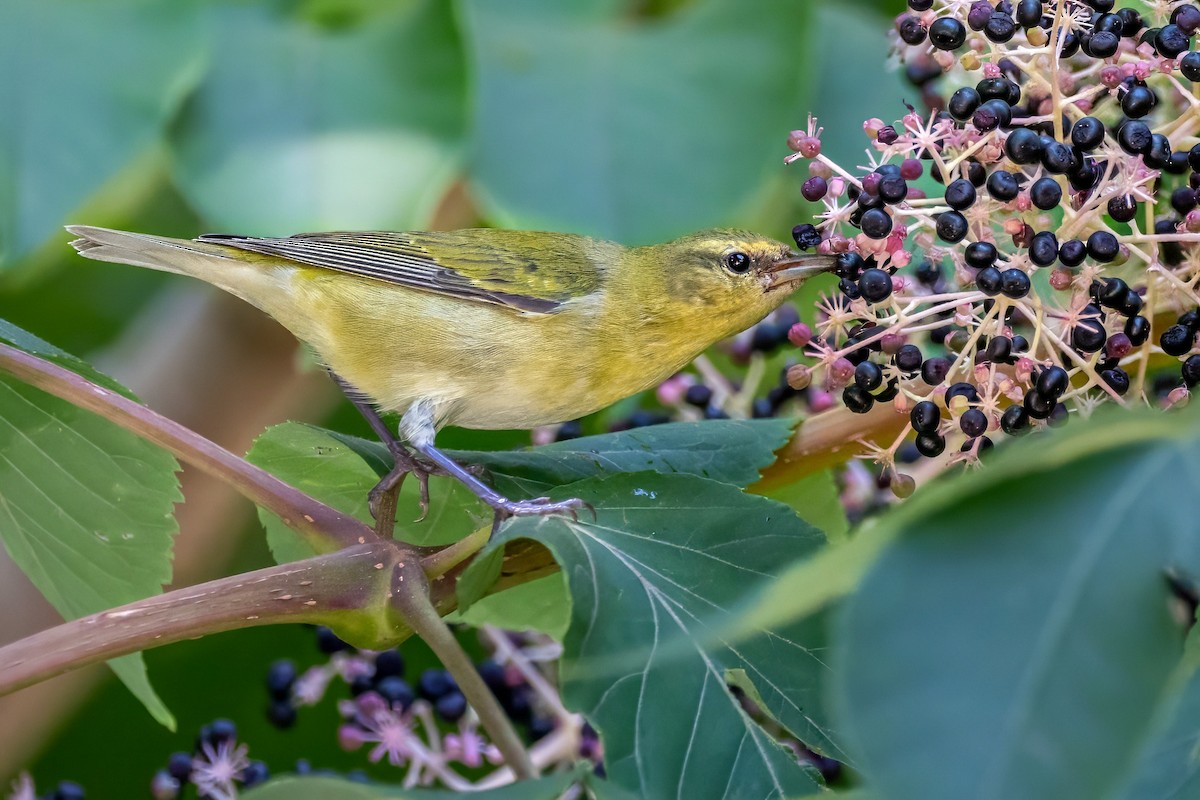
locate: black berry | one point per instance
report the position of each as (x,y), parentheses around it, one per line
(947,33)
(1045,193)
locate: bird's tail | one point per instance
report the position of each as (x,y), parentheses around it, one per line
(143,250)
(253,278)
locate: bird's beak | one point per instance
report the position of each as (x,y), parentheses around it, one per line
(797,268)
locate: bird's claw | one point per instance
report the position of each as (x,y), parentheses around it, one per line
(540,507)
(405,464)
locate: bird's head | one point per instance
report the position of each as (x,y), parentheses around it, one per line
(724,280)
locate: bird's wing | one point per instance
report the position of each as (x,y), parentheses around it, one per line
(507,268)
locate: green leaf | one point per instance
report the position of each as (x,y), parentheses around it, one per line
(90,86)
(541,605)
(298,127)
(1169,763)
(324,465)
(340,470)
(1015,637)
(729,451)
(835,571)
(305,788)
(652,579)
(86,508)
(576,158)
(818,502)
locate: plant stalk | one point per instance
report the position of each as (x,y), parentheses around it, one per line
(320,590)
(412,600)
(324,528)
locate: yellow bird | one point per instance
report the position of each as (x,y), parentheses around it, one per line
(485,328)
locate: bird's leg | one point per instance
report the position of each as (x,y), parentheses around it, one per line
(418,428)
(403,461)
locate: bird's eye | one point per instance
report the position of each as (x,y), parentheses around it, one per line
(737,262)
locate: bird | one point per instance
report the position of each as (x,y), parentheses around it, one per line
(485,328)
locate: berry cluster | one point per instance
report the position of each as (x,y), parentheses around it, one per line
(216,766)
(427,726)
(1026,247)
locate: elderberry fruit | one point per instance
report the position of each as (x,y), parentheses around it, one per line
(1088,335)
(280,677)
(963,103)
(281,714)
(908,358)
(1045,193)
(875,285)
(1138,102)
(396,691)
(1023,146)
(1189,65)
(1122,208)
(1038,406)
(962,389)
(1015,283)
(930,445)
(947,33)
(806,236)
(1170,42)
(960,194)
(935,370)
(1058,158)
(1087,133)
(991,115)
(1191,371)
(328,641)
(951,226)
(1053,382)
(1072,253)
(1117,379)
(1135,137)
(857,399)
(973,422)
(1043,249)
(1138,330)
(988,280)
(698,395)
(876,223)
(1103,246)
(925,417)
(868,376)
(434,683)
(911,30)
(451,706)
(1015,420)
(1002,185)
(1176,340)
(980,254)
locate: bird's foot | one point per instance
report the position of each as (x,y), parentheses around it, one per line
(537,507)
(405,463)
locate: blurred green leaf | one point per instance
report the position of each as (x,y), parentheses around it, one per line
(89,86)
(305,788)
(651,579)
(1168,765)
(860,87)
(541,605)
(1019,645)
(817,500)
(86,508)
(635,130)
(298,127)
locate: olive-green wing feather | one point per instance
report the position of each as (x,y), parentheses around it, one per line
(529,272)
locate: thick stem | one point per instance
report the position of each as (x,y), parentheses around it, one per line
(326,589)
(412,601)
(324,528)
